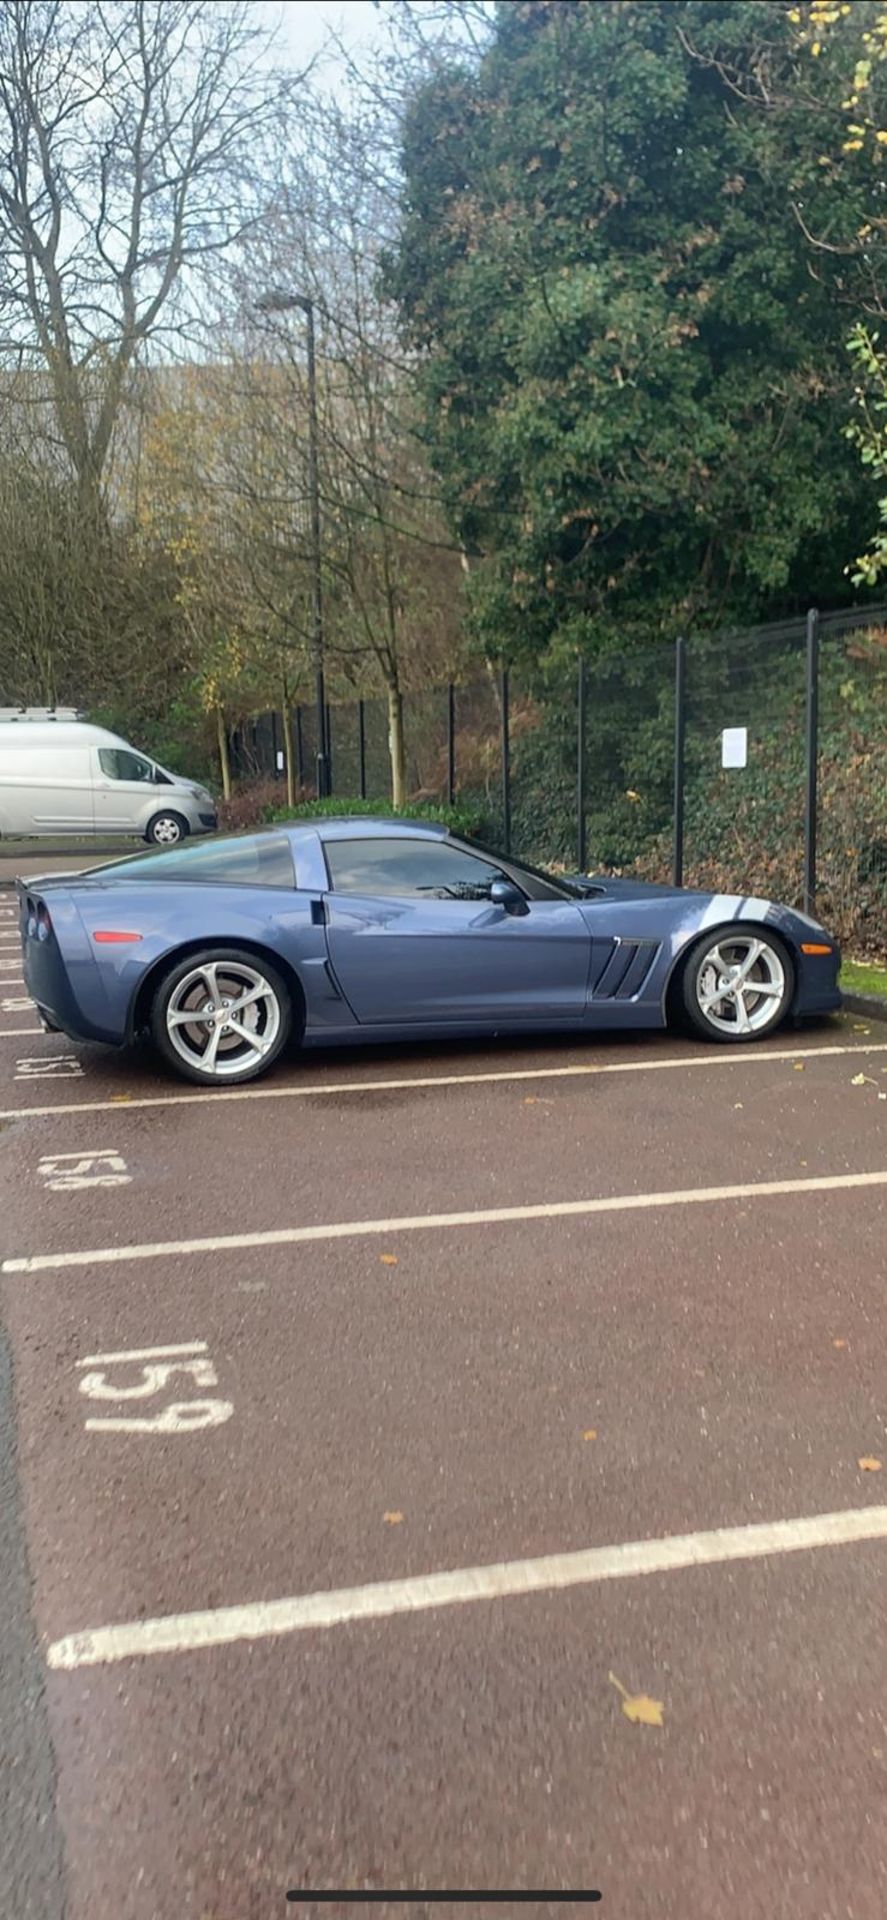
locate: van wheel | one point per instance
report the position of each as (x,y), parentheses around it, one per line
(166,830)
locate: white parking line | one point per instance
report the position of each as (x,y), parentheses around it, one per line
(143,1353)
(123,1103)
(15,1033)
(425,1222)
(266,1619)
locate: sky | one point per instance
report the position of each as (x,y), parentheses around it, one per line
(305,25)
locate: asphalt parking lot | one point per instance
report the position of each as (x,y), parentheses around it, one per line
(373,1423)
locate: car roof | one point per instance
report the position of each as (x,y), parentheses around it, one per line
(53,733)
(363,827)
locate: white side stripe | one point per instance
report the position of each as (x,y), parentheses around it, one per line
(423,1222)
(220,1626)
(717,1057)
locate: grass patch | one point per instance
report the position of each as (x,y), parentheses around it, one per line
(862,976)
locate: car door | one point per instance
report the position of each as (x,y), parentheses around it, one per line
(413,936)
(123,780)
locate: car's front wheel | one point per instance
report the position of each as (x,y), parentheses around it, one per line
(221,1016)
(166,829)
(738,985)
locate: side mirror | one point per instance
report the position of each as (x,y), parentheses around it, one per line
(504,894)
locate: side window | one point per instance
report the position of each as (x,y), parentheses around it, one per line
(117,763)
(434,868)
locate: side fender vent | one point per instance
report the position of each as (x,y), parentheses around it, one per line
(625,970)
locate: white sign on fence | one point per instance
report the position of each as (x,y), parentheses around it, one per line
(734,747)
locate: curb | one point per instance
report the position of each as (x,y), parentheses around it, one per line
(870,1004)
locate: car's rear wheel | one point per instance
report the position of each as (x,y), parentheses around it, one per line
(738,984)
(221,1016)
(167,829)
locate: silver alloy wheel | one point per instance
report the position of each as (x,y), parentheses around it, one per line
(740,983)
(166,831)
(222,1017)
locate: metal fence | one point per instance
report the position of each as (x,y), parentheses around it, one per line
(622,763)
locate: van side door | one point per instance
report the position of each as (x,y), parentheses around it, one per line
(124,781)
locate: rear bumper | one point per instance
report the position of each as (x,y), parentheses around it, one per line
(61,974)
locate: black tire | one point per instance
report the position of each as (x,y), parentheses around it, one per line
(764,1010)
(167,829)
(233,1063)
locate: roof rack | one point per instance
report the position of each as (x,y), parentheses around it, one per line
(40,713)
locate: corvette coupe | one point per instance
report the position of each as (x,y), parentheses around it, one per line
(348,930)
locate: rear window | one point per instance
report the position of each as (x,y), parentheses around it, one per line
(263,861)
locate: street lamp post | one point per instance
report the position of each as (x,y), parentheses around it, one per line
(282,301)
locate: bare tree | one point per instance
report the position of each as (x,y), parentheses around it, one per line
(132,141)
(392,577)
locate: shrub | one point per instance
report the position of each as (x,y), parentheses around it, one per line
(468,821)
(251,804)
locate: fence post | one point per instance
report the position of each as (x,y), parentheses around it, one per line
(581,852)
(328,752)
(451,745)
(680,733)
(362,750)
(506,766)
(300,750)
(812,758)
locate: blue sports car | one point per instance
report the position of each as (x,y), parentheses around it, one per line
(356,929)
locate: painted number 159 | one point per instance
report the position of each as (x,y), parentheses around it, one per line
(143,1374)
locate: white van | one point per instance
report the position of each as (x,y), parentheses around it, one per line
(59,775)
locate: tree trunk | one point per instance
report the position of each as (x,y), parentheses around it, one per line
(224,762)
(289,752)
(397,747)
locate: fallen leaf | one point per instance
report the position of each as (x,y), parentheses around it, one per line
(392,1519)
(121,1096)
(737,1106)
(590,1433)
(869,1464)
(839,1343)
(860,1029)
(638,1707)
(799,1066)
(388,1259)
(863,1080)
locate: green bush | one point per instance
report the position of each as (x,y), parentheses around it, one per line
(463,820)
